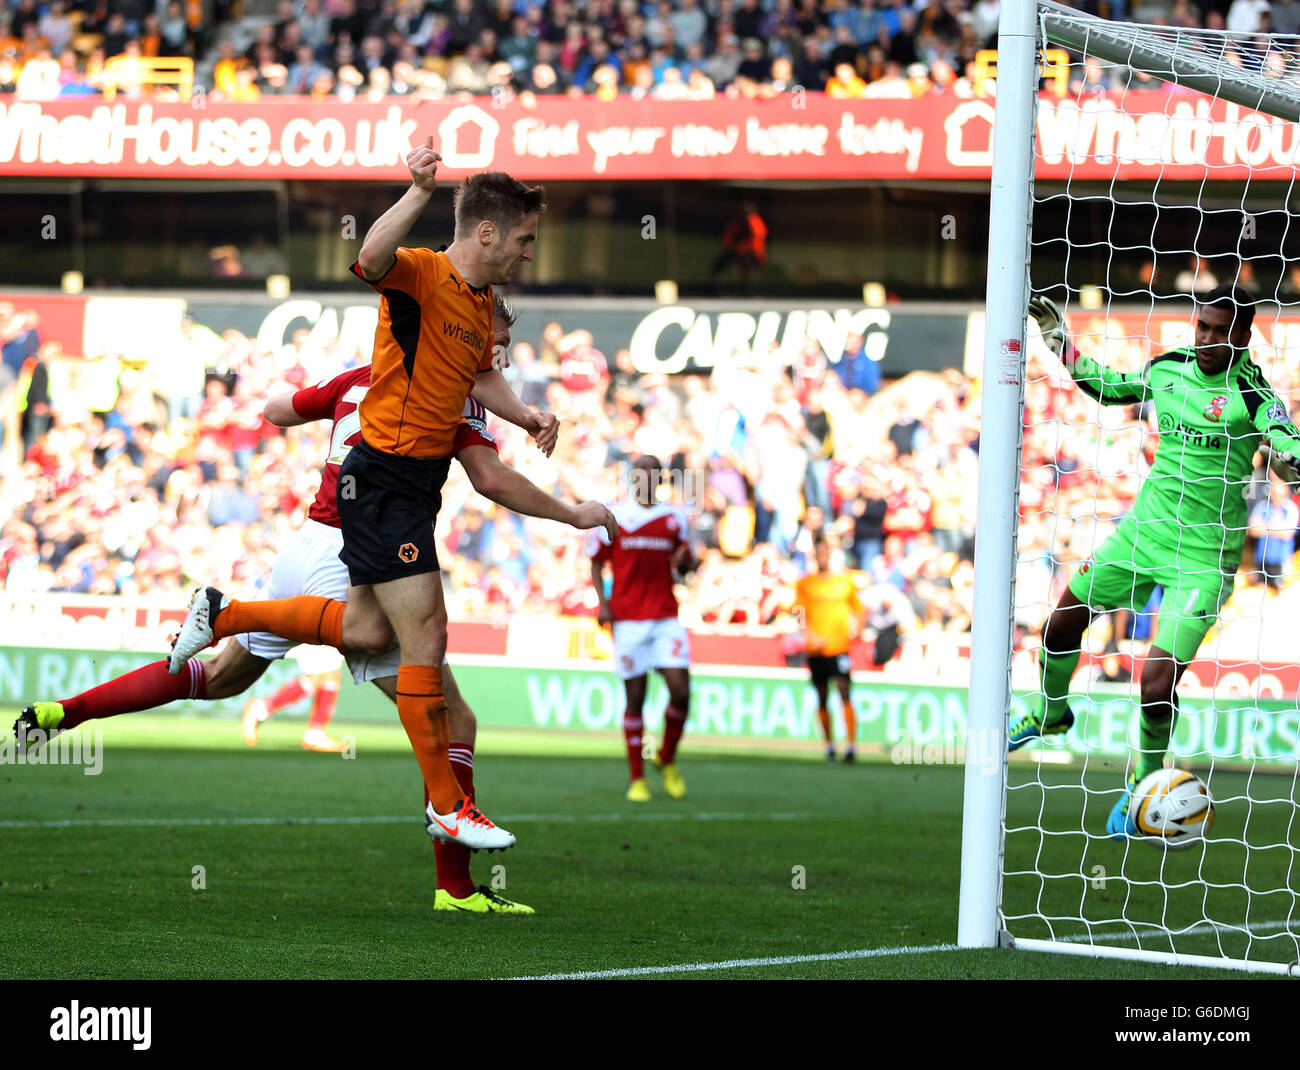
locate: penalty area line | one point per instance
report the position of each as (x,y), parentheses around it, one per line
(736,964)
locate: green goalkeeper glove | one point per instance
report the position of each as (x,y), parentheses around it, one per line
(1052,325)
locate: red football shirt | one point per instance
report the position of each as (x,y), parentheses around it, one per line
(338,399)
(642,557)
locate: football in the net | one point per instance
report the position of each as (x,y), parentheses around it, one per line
(1172,808)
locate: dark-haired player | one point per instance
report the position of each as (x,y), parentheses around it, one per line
(652,545)
(1187,528)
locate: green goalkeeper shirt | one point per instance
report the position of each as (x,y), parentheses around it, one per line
(1193,501)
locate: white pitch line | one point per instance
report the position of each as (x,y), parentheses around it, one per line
(734,964)
(513,819)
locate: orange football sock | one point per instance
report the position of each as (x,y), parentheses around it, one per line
(824,715)
(850,723)
(423,711)
(305,619)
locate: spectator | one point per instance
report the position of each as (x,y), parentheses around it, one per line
(519,48)
(820,446)
(781,76)
(699,86)
(1286,16)
(174,29)
(39,79)
(1196,277)
(906,428)
(755,64)
(1273,526)
(846,51)
(867,511)
(314,22)
(688,23)
(544,80)
(56,27)
(724,64)
(1244,16)
(888,615)
(229,503)
(672,87)
(304,72)
(846,83)
(856,370)
(260,259)
(526,376)
(35,405)
(744,243)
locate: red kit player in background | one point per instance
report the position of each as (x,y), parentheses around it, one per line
(653,544)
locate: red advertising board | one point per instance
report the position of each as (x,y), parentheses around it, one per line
(1173,135)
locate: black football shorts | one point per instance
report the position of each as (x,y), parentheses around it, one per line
(387,505)
(823,669)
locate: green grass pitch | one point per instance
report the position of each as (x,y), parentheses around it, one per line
(97,873)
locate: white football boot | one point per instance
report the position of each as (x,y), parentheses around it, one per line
(466,826)
(196,632)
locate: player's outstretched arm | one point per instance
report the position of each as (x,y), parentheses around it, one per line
(494,393)
(379,249)
(1093,378)
(280,411)
(495,479)
(1281,446)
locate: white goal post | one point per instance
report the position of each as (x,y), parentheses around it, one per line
(1193,60)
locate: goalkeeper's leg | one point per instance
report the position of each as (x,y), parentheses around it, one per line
(1159,715)
(1189,609)
(1050,714)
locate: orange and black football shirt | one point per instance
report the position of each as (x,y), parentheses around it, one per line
(433,338)
(830,606)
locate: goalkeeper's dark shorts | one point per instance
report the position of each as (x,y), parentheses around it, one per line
(1123,573)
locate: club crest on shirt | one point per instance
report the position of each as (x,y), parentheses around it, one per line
(1276,412)
(1214,410)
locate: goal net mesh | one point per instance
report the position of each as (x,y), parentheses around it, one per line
(1163,170)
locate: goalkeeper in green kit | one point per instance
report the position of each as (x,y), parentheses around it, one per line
(1187,528)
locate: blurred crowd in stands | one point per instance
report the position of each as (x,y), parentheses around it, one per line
(112,482)
(139,491)
(664,49)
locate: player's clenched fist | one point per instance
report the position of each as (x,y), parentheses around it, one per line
(423,162)
(546,432)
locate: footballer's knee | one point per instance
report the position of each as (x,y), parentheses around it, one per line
(462,725)
(367,633)
(1158,683)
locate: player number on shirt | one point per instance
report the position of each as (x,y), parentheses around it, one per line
(344,429)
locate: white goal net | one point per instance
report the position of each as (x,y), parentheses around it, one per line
(1165,176)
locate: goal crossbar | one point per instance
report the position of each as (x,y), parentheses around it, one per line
(1183,56)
